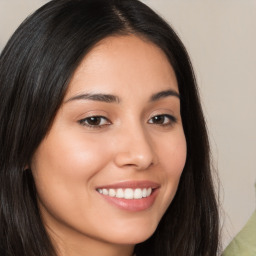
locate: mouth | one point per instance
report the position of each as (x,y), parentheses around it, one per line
(130,196)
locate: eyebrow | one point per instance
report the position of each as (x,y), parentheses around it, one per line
(164,94)
(109,98)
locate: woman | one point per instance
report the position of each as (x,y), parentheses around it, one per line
(104,149)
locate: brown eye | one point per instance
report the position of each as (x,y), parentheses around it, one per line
(162,120)
(94,121)
(158,119)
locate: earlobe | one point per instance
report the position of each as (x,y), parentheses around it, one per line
(26,167)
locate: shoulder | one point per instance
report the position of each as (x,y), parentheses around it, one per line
(244,243)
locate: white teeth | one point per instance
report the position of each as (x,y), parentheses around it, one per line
(137,193)
(112,192)
(144,192)
(127,193)
(149,191)
(104,191)
(120,193)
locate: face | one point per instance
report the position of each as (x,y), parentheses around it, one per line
(111,163)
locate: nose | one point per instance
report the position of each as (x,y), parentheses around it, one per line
(135,149)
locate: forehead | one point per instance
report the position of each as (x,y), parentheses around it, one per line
(123,61)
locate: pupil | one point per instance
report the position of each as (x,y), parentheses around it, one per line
(94,121)
(159,119)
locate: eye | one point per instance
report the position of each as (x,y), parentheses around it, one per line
(94,121)
(163,120)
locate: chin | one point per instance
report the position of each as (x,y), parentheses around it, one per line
(135,235)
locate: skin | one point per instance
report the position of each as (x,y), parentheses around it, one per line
(128,144)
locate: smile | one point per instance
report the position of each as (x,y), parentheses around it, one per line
(128,193)
(131,195)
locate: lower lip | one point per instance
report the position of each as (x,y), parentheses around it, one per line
(133,205)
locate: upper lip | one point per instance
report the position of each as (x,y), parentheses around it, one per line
(132,184)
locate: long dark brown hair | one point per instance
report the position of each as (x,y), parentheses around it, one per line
(35,69)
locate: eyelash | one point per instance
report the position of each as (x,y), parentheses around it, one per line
(168,120)
(84,122)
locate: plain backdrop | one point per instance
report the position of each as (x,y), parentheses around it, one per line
(220,36)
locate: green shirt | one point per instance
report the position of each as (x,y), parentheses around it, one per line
(244,244)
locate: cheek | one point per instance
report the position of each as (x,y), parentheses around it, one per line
(64,166)
(69,157)
(173,154)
